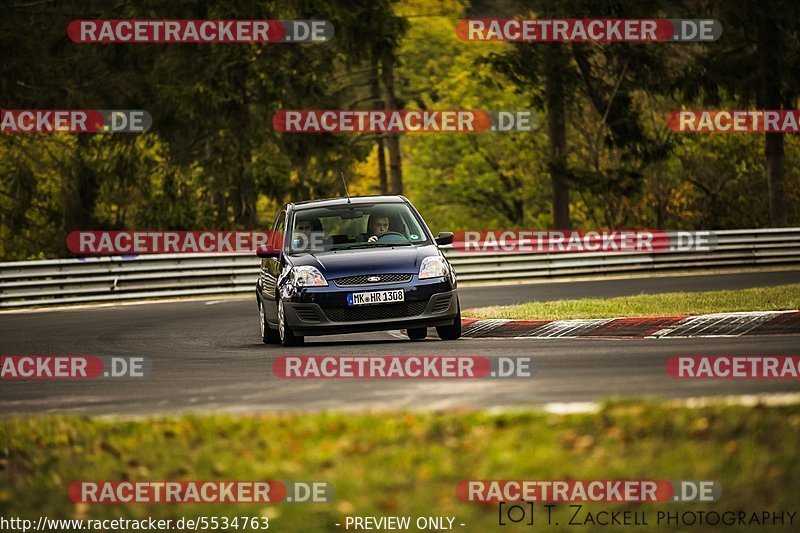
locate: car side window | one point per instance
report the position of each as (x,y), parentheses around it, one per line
(280,223)
(279,230)
(411,228)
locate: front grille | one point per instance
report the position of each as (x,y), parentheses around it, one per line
(442,305)
(363,280)
(375,312)
(307,314)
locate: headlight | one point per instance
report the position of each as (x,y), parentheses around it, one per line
(308,276)
(432,267)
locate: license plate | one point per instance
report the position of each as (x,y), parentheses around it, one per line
(376,297)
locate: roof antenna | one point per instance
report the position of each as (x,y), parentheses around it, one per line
(345,187)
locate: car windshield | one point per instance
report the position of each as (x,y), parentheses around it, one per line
(356,227)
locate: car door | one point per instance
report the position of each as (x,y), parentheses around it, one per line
(271,268)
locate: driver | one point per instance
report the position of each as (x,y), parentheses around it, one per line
(378,225)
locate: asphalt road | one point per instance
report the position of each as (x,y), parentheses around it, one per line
(206,356)
(477,296)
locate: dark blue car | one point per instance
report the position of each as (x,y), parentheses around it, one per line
(353,265)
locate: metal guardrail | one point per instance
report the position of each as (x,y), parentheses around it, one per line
(110,279)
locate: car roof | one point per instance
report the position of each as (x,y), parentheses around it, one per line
(355,200)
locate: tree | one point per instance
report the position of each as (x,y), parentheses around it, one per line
(211,105)
(605,75)
(756,61)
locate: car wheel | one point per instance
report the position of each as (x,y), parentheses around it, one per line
(417,334)
(451,333)
(287,336)
(268,335)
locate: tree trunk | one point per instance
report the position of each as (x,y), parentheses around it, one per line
(244,201)
(392,139)
(771,98)
(79,191)
(377,104)
(557,133)
(773,150)
(216,188)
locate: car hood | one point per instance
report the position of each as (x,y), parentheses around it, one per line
(397,260)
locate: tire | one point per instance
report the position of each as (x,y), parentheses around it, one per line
(453,332)
(285,333)
(268,335)
(417,334)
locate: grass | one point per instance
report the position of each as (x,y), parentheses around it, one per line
(405,463)
(779,298)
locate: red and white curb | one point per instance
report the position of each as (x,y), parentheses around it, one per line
(713,325)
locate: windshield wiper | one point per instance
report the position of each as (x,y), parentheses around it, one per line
(372,245)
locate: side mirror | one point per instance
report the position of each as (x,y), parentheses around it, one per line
(268,251)
(444,238)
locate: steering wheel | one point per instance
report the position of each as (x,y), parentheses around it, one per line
(391,234)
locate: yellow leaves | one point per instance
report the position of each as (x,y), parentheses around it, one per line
(731,447)
(614,432)
(571,440)
(80,511)
(699,426)
(424,472)
(336,426)
(219,468)
(271,512)
(345,507)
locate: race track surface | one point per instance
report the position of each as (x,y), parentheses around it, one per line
(207,356)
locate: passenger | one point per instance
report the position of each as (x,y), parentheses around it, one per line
(308,234)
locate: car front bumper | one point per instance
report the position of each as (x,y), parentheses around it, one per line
(324,310)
